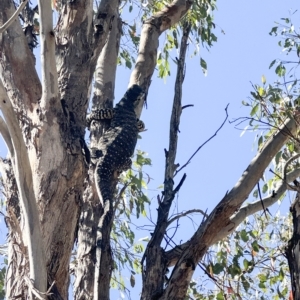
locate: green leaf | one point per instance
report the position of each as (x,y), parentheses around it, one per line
(255,246)
(245,103)
(244,235)
(280,70)
(281,275)
(272,63)
(132,280)
(260,141)
(254,110)
(273,30)
(245,283)
(254,95)
(217,268)
(277,157)
(265,188)
(128,64)
(255,193)
(203,65)
(246,264)
(261,91)
(220,296)
(291,147)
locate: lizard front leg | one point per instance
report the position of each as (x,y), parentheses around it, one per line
(99,114)
(140,125)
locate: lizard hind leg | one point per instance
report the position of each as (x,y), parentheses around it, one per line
(124,166)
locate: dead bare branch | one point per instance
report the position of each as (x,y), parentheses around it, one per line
(215,134)
(154,253)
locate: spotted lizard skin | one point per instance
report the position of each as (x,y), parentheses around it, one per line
(117,143)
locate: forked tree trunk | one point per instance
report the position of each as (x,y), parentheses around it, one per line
(48,179)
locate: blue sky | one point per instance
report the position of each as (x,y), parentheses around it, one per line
(241,55)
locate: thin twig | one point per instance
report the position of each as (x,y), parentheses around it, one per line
(183,214)
(186,106)
(261,200)
(176,190)
(287,132)
(189,160)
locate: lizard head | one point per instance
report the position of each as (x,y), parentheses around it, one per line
(133,96)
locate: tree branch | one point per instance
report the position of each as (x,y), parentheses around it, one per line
(19,64)
(183,214)
(6,136)
(152,29)
(104,94)
(221,215)
(48,62)
(256,206)
(81,36)
(155,262)
(23,175)
(94,272)
(189,160)
(13,17)
(105,76)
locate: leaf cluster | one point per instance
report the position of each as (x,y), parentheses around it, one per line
(248,264)
(132,199)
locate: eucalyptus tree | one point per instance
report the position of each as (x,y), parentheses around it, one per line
(48,176)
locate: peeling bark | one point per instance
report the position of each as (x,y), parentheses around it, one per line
(18,266)
(32,238)
(292,251)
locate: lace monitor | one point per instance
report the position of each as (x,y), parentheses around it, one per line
(117,143)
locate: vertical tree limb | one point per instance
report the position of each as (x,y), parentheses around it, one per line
(6,136)
(155,267)
(88,271)
(151,31)
(23,175)
(17,252)
(48,63)
(80,37)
